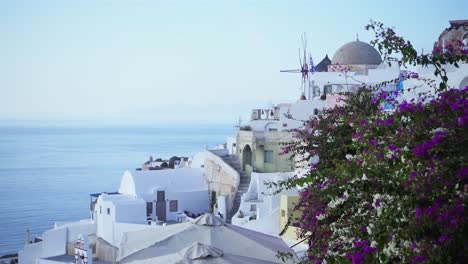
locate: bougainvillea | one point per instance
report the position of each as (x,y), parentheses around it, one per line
(390,186)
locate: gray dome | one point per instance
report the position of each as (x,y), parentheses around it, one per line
(357,52)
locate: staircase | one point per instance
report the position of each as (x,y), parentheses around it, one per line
(243,185)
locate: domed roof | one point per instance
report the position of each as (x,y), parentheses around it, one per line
(357,52)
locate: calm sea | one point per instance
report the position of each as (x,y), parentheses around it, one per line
(47,173)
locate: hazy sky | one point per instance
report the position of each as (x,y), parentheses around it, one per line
(161,61)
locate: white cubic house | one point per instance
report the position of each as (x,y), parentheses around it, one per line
(168,193)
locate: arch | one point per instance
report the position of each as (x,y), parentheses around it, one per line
(271,126)
(246,156)
(463,83)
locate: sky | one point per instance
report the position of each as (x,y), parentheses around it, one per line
(180,61)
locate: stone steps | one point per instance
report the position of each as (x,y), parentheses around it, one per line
(244,183)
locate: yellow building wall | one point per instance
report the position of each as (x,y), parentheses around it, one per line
(287,203)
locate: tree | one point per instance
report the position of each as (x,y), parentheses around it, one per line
(390,186)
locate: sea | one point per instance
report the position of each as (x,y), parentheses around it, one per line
(48,171)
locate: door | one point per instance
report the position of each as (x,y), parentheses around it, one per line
(161,206)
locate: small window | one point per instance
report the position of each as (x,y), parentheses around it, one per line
(272,129)
(233,144)
(100,209)
(283,213)
(327,89)
(253,207)
(268,156)
(108,211)
(173,207)
(285,125)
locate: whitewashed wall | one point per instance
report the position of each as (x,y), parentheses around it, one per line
(55,241)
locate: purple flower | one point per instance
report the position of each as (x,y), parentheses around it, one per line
(393,148)
(389,121)
(462,121)
(356,257)
(377,203)
(463,173)
(443,238)
(285,150)
(422,150)
(418,259)
(418,212)
(369,249)
(363,229)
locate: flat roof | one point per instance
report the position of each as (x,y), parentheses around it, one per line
(108,193)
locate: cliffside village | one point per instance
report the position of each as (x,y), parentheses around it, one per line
(216,205)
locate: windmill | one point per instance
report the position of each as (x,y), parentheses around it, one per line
(304,67)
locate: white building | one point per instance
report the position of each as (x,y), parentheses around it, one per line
(160,194)
(168,193)
(117,208)
(260,206)
(54,242)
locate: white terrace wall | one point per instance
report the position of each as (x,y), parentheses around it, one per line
(195,202)
(221,177)
(55,241)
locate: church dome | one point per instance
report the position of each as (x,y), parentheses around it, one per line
(356,53)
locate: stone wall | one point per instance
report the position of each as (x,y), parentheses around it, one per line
(221,178)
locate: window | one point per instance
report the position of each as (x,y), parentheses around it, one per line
(283,213)
(316,90)
(253,207)
(108,211)
(149,208)
(173,206)
(327,89)
(272,129)
(268,156)
(100,209)
(233,144)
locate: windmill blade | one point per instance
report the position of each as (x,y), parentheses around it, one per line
(300,61)
(304,47)
(292,71)
(304,53)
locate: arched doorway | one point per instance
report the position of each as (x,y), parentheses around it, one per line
(246,157)
(464,83)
